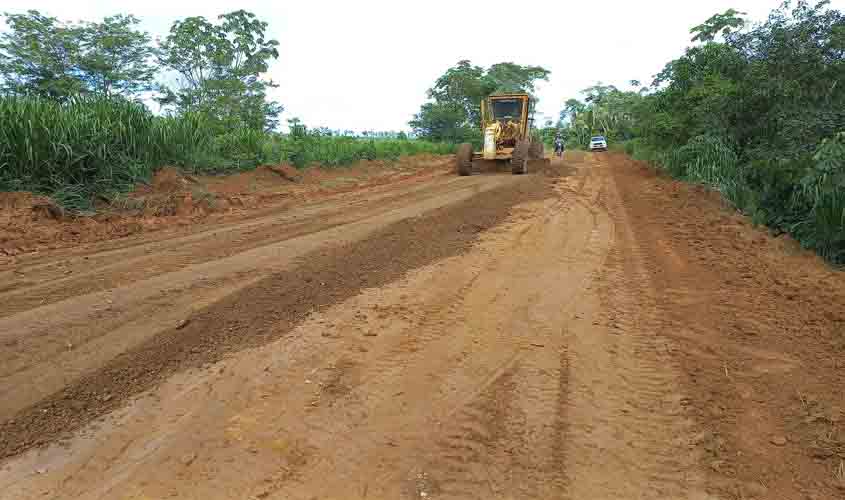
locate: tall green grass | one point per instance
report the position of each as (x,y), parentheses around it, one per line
(90,147)
(822,197)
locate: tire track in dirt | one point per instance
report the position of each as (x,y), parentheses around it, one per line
(72,337)
(575,351)
(756,325)
(465,453)
(244,319)
(627,435)
(505,440)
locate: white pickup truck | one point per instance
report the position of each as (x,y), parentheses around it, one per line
(598,143)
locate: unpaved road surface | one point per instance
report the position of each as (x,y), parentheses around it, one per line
(593,331)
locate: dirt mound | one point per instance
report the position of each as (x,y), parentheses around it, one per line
(19,206)
(26,220)
(30,223)
(287,172)
(169,179)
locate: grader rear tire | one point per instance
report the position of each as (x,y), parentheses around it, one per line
(519,160)
(463,159)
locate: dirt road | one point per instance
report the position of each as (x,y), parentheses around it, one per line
(593,331)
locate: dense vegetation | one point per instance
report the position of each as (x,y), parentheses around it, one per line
(73,123)
(756,111)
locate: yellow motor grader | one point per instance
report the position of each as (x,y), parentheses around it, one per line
(506,123)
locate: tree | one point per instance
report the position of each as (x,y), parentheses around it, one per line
(115,57)
(606,110)
(445,122)
(510,77)
(219,68)
(296,127)
(454,113)
(463,85)
(571,109)
(724,23)
(39,56)
(42,56)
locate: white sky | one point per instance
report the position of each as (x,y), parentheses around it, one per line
(367,64)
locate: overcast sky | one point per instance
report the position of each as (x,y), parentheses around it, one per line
(367,64)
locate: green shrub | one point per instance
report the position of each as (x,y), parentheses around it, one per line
(822,199)
(703,159)
(640,150)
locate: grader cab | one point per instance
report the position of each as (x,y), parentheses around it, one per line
(506,125)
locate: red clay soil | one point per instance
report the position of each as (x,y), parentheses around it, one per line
(760,332)
(281,301)
(607,333)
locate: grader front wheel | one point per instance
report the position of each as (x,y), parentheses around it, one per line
(519,160)
(463,159)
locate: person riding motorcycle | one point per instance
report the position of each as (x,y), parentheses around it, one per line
(559,145)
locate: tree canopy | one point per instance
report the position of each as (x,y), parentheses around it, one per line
(211,68)
(40,55)
(219,68)
(453,113)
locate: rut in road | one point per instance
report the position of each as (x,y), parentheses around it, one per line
(627,408)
